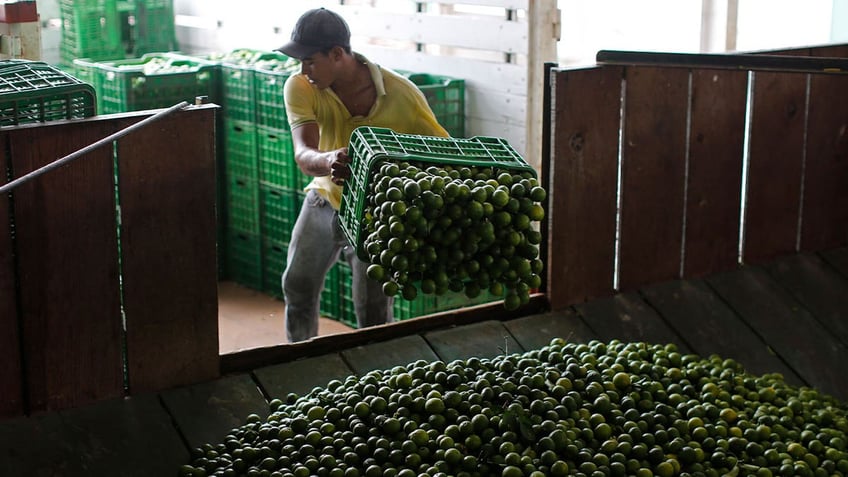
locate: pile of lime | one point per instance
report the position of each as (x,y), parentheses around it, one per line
(434,229)
(591,409)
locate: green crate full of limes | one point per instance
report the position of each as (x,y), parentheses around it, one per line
(436,216)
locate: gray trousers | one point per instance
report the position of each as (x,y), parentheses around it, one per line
(316,243)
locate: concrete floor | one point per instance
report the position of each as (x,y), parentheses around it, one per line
(250,319)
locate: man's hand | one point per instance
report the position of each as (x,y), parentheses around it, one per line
(339,166)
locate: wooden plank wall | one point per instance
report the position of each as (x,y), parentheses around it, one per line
(170,294)
(63,339)
(67,259)
(677,169)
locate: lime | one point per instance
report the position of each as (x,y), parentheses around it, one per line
(390,288)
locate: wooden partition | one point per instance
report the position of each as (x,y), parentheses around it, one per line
(105,290)
(669,166)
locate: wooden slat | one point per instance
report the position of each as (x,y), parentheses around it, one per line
(387,354)
(207,412)
(490,33)
(11,373)
(789,329)
(134,437)
(168,232)
(715,171)
(301,376)
(709,326)
(824,221)
(816,286)
(483,340)
(582,199)
(65,226)
(838,259)
(774,165)
(537,331)
(653,172)
(831,51)
(627,317)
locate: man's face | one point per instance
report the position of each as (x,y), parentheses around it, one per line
(318,68)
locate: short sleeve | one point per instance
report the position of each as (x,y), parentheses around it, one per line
(300,100)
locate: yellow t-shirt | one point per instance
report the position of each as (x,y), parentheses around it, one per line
(400,106)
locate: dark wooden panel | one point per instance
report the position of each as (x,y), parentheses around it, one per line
(65,226)
(132,437)
(167,197)
(821,290)
(831,51)
(709,326)
(824,222)
(11,373)
(838,259)
(301,376)
(715,171)
(387,354)
(483,340)
(207,412)
(537,331)
(653,173)
(774,165)
(582,203)
(789,329)
(627,317)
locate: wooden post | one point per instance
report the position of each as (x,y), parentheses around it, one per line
(11,373)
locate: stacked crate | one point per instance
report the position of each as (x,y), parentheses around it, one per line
(152,81)
(33,92)
(446,97)
(260,212)
(115,29)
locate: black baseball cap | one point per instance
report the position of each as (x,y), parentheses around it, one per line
(316,30)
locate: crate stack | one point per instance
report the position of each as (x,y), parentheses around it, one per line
(33,92)
(115,29)
(446,97)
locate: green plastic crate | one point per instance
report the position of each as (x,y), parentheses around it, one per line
(269,79)
(243,205)
(156,80)
(241,150)
(279,209)
(427,304)
(274,254)
(446,97)
(238,83)
(90,29)
(370,146)
(150,25)
(244,259)
(344,297)
(277,166)
(33,91)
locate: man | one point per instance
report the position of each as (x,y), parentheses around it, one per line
(336,91)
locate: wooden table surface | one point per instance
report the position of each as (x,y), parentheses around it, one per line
(790,316)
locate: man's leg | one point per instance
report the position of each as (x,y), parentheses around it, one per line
(312,251)
(372,306)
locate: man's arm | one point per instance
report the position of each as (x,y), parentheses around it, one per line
(314,162)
